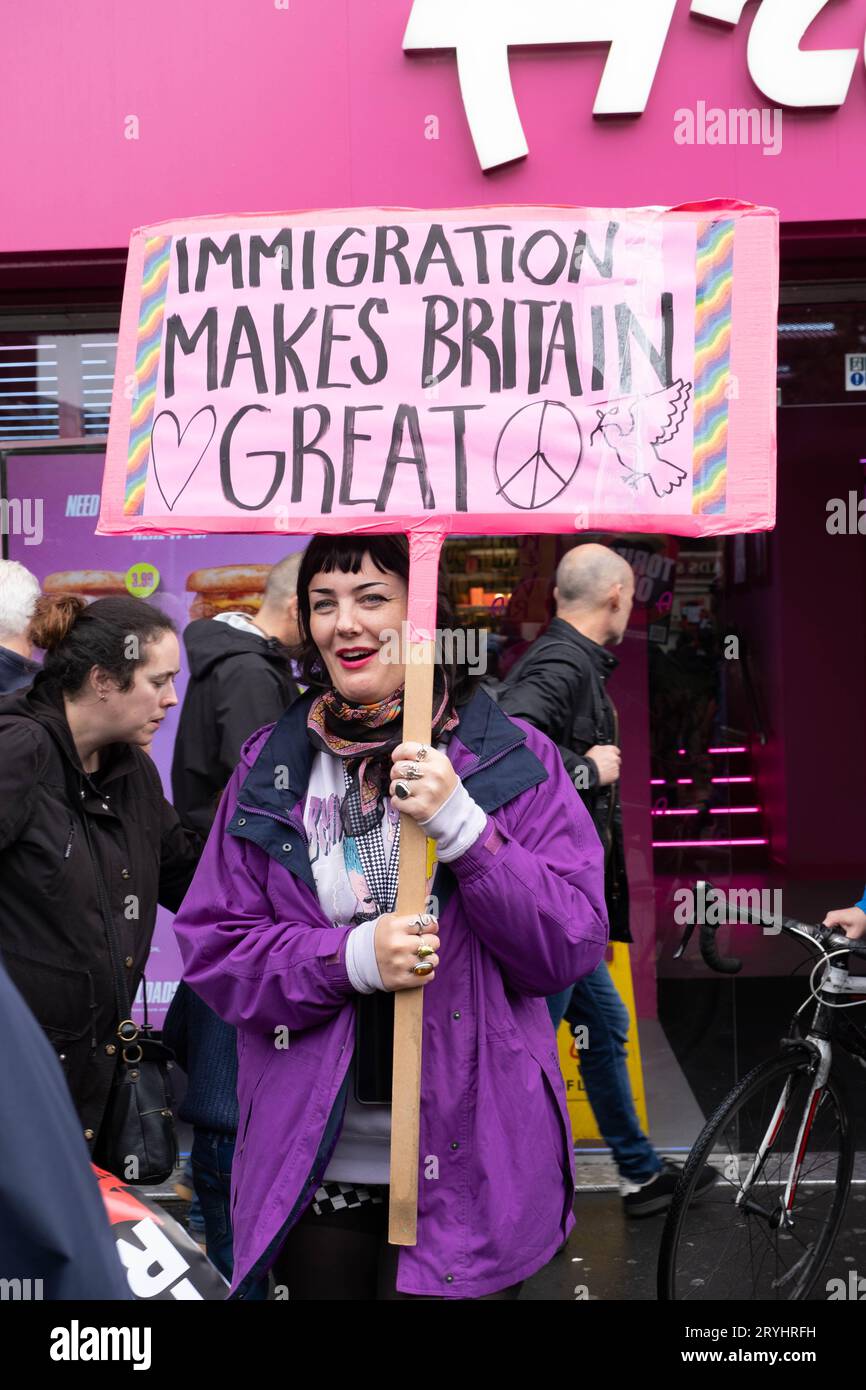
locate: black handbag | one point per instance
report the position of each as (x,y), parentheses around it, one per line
(137,1140)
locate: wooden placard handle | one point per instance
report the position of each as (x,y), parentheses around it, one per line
(412,894)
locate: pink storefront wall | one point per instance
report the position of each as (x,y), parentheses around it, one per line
(292,104)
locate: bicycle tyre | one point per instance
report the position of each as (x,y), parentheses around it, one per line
(795,1063)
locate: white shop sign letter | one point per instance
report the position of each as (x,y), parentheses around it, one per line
(481,32)
(777,64)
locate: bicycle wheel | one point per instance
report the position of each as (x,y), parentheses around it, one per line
(755,1247)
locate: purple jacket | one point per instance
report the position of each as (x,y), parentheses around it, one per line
(521,916)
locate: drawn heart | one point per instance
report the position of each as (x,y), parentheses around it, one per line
(177,453)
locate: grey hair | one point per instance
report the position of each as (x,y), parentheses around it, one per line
(19,590)
(586,573)
(282,583)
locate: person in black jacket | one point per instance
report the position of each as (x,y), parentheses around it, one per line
(240,679)
(560,686)
(19,590)
(80,801)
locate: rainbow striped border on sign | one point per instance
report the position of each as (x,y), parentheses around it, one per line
(715,280)
(157,256)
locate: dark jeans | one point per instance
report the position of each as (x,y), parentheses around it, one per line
(345,1255)
(211,1156)
(595,1004)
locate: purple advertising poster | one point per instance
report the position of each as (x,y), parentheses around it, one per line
(59,497)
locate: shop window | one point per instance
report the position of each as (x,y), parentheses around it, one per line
(55,385)
(822,334)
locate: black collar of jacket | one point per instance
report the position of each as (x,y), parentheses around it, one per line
(604,661)
(501,768)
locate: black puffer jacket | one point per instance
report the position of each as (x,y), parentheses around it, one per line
(238,683)
(559,686)
(51,931)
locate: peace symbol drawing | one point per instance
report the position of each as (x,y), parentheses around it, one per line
(537,455)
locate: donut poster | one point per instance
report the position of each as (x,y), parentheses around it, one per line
(505,369)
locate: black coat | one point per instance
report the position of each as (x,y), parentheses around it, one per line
(52,935)
(559,686)
(238,683)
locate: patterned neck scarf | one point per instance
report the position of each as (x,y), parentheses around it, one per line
(365,736)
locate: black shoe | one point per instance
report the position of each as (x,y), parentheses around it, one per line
(657,1194)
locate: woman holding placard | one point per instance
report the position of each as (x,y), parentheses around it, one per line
(289,933)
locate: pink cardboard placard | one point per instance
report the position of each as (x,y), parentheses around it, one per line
(498,369)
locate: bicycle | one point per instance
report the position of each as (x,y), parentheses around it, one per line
(782,1142)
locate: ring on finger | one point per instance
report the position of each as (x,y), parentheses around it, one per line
(422,753)
(424,951)
(422,968)
(421,921)
(413,772)
(402,790)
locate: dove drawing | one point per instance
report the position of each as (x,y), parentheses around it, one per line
(638,427)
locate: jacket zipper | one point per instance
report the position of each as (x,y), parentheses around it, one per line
(68,849)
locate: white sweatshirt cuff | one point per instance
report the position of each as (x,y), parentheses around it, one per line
(456,825)
(361,964)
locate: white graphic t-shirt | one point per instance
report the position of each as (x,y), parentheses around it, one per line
(342,889)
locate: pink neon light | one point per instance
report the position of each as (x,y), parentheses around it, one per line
(689,781)
(742,749)
(713,810)
(701,844)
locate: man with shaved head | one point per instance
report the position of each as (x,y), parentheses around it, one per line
(560,686)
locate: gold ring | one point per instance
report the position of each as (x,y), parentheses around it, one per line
(424,951)
(424,968)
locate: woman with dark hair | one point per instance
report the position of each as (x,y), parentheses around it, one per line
(289,932)
(83,819)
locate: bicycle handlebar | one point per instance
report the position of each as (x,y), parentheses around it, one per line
(723,965)
(824,938)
